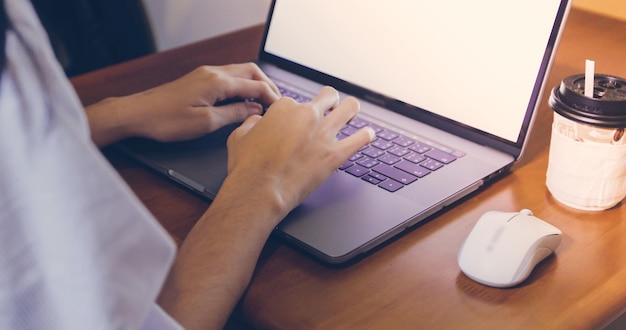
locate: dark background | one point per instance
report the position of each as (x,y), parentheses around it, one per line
(91,34)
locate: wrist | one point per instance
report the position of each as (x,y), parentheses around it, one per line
(261,198)
(111,120)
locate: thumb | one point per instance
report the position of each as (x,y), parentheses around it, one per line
(238,134)
(243,129)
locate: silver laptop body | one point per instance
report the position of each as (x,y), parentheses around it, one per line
(463,78)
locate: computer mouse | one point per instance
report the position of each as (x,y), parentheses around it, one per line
(504,247)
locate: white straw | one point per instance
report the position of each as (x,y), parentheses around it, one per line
(589,77)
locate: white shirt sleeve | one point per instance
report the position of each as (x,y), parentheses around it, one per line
(158,319)
(77,248)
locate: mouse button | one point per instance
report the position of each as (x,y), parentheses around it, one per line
(517,239)
(493,217)
(530,229)
(472,249)
(539,226)
(490,224)
(477,254)
(482,232)
(510,252)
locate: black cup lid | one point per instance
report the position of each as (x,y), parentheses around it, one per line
(607,107)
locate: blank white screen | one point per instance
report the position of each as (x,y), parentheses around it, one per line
(475,62)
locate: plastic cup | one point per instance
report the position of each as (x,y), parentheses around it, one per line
(587,161)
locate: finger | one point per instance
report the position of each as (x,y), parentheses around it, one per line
(250,71)
(326,99)
(235,112)
(249,89)
(356,141)
(343,113)
(244,128)
(239,133)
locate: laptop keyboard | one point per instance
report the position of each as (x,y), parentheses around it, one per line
(392,160)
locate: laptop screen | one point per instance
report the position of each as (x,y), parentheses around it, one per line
(475,62)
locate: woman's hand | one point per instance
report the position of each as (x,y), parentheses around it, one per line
(184,108)
(293,148)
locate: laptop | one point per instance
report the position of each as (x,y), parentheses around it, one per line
(450,88)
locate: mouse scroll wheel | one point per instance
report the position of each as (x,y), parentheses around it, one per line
(526,212)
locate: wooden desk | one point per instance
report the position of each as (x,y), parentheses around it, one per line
(414,281)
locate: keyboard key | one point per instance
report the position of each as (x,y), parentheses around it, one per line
(389,159)
(357,170)
(373,152)
(414,169)
(388,135)
(372,179)
(431,164)
(356,156)
(349,130)
(458,154)
(375,127)
(368,162)
(341,136)
(296,96)
(358,122)
(440,156)
(378,176)
(303,99)
(415,158)
(398,151)
(403,141)
(394,173)
(346,165)
(382,144)
(420,147)
(391,185)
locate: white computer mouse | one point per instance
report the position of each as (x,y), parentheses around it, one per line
(504,247)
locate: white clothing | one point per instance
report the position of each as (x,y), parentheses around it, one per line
(77,248)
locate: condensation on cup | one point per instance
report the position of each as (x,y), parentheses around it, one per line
(587,161)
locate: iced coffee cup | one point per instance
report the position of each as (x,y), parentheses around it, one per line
(587,162)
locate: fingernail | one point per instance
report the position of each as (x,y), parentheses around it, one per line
(254,106)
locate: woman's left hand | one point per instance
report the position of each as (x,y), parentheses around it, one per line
(184,108)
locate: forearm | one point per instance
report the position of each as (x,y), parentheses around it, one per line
(217,259)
